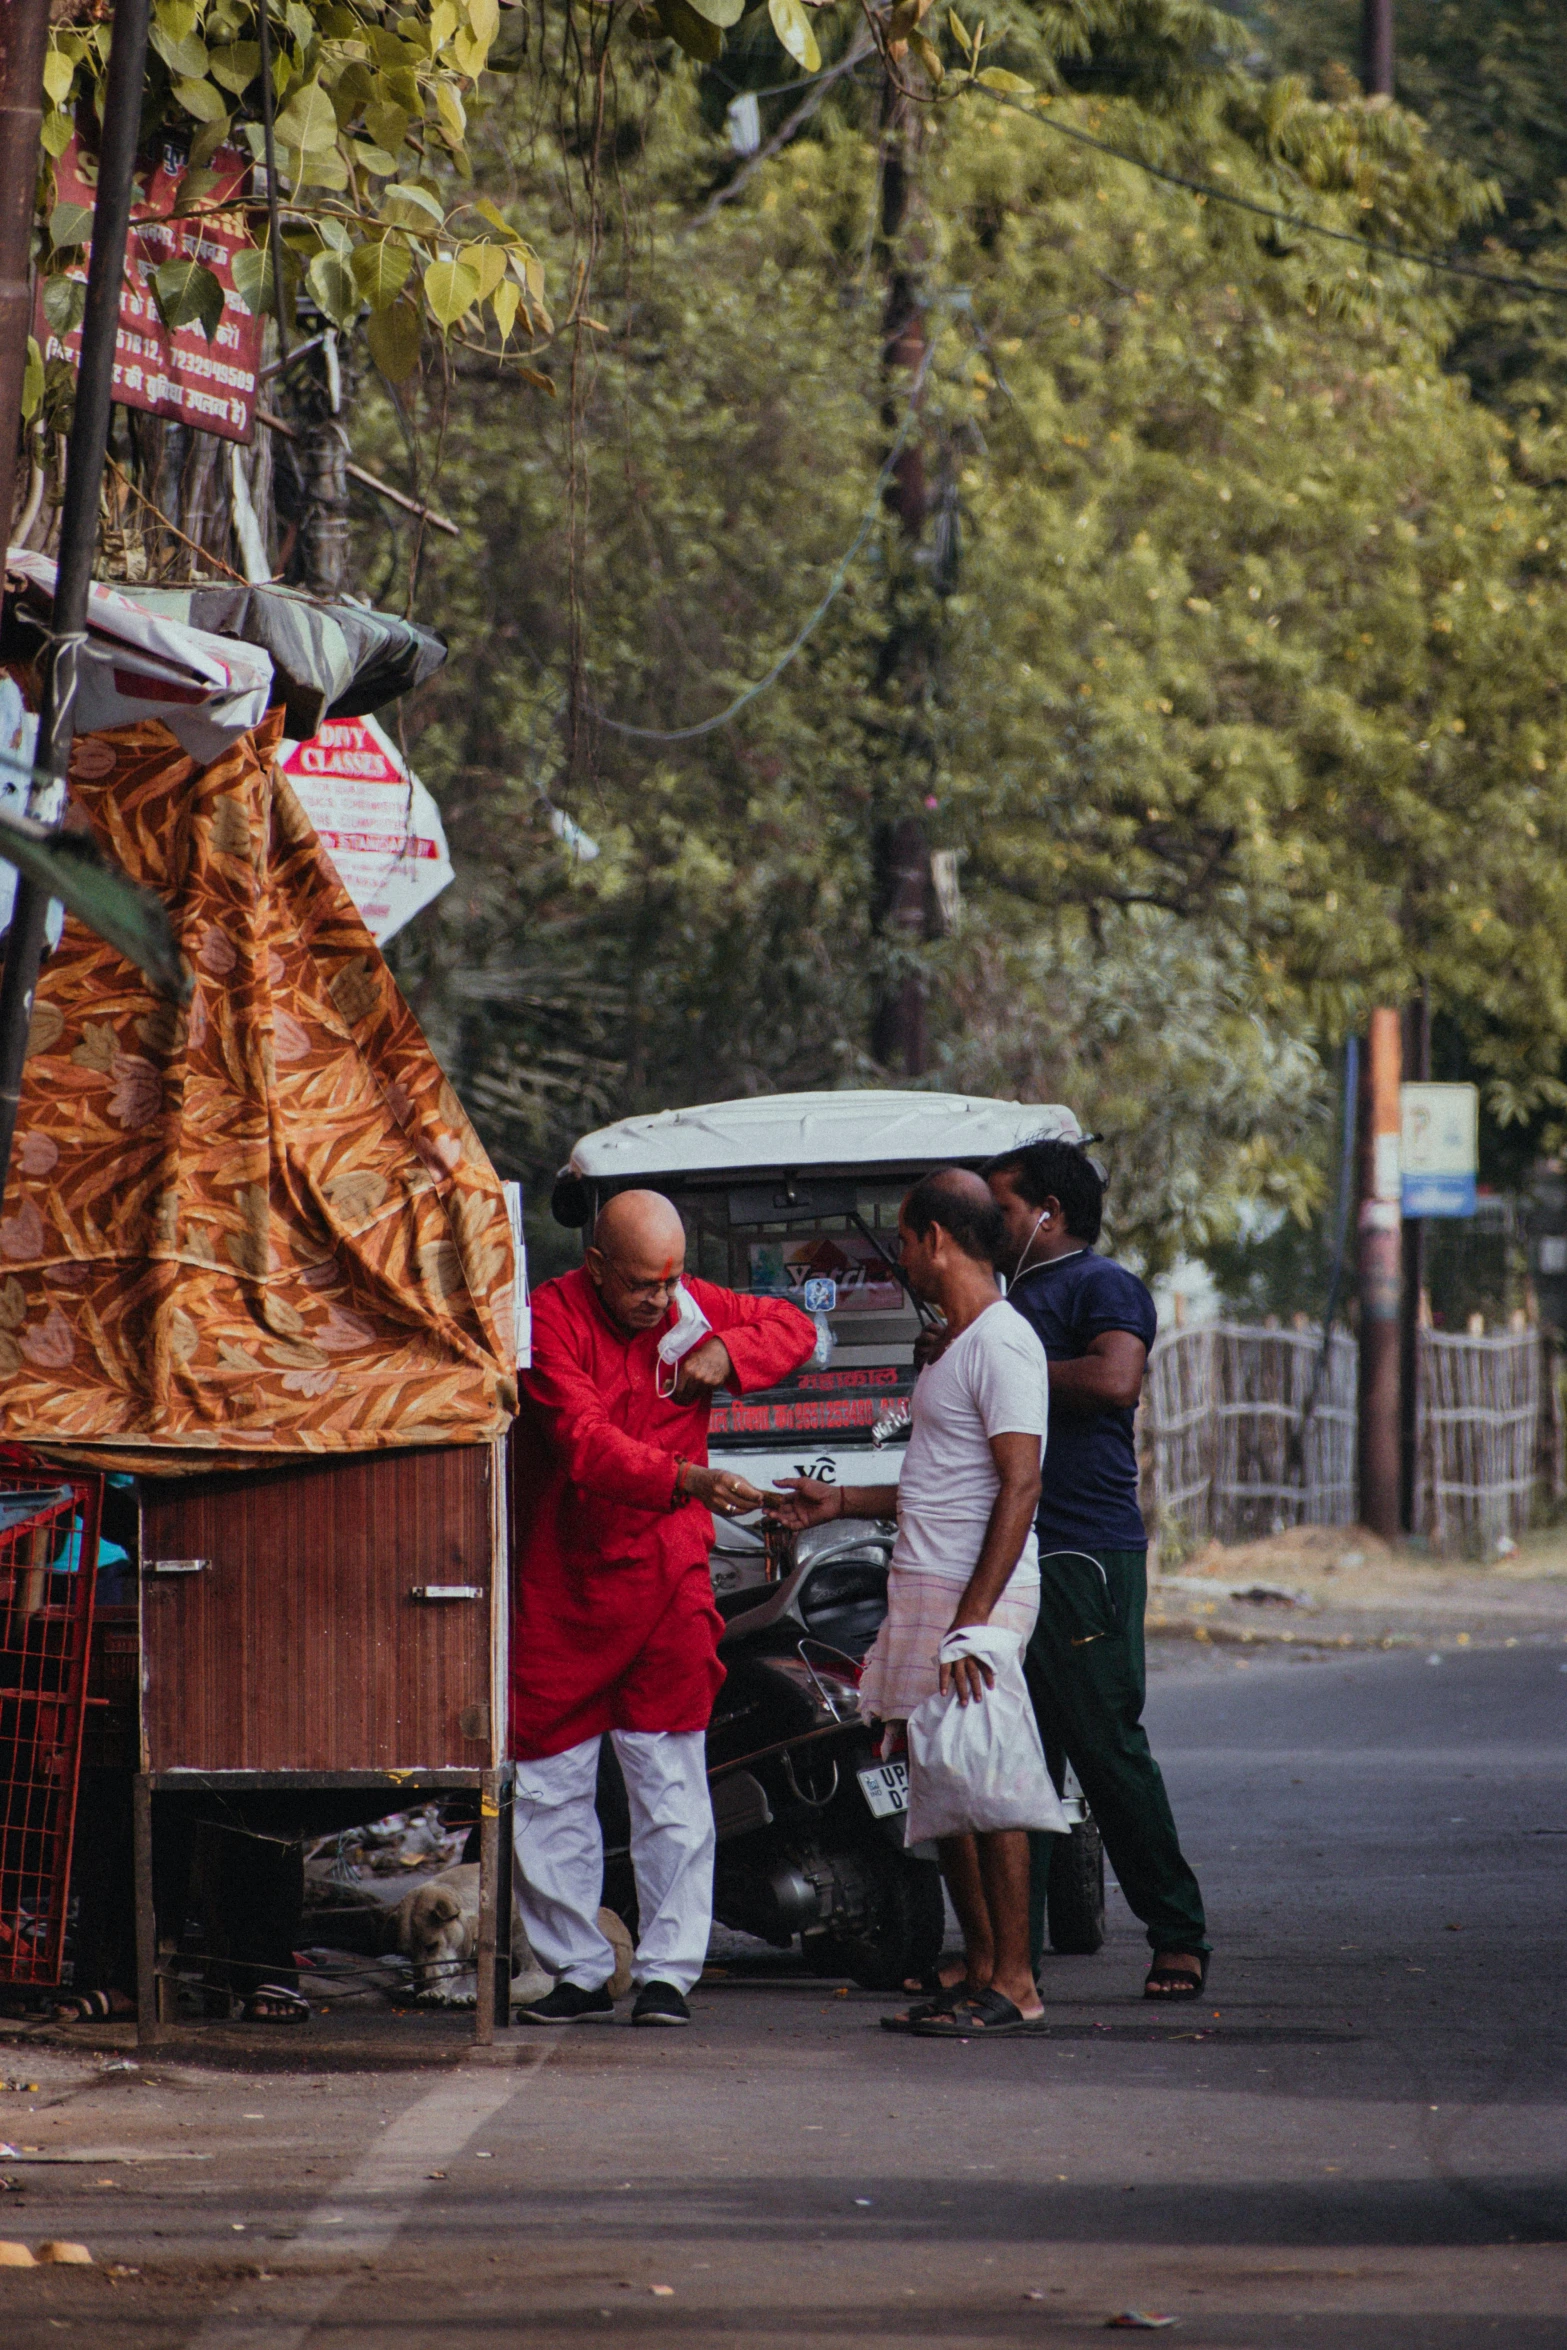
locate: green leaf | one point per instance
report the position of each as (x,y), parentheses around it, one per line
(251,270)
(194,189)
(996,77)
(185,56)
(64,300)
(496,218)
(720,12)
(202,100)
(69,224)
(59,73)
(331,282)
(451,288)
(450,109)
(236,66)
(695,35)
(393,336)
(488,263)
(58,132)
(188,295)
(308,121)
(32,380)
(73,869)
(177,18)
(793,28)
(926,51)
(405,206)
(960,32)
(381,271)
(505,301)
(208,140)
(387,124)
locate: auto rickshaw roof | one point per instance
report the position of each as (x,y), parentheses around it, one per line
(862,1127)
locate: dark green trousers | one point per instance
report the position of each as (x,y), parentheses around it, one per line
(1088,1680)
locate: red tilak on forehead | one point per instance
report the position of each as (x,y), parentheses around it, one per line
(669,1268)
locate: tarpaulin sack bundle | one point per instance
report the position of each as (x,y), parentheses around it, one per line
(978,1767)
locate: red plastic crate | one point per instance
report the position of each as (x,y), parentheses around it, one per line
(48,1566)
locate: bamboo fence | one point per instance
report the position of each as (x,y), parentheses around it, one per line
(1487,1434)
(1223,1437)
(1224,1455)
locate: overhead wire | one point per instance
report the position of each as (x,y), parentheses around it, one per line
(686,734)
(1422,256)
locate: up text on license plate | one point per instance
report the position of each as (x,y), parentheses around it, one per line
(886,1789)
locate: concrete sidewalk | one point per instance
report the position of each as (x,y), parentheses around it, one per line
(1338,1587)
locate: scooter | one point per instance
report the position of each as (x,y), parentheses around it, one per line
(810,1819)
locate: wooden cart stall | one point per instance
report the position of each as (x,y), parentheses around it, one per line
(254,1255)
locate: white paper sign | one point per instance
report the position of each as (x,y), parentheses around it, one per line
(18,744)
(375,820)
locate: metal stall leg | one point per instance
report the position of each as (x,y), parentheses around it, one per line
(489,1886)
(149,2020)
(503,1900)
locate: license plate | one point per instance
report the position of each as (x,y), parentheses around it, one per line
(886,1789)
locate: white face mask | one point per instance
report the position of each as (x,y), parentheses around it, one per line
(688,1330)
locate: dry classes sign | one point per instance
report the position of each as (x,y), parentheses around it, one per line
(177,372)
(374,819)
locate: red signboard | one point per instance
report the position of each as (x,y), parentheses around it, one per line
(814,1403)
(210,385)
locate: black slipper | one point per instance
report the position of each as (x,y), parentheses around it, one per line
(945,1999)
(1168,1984)
(982,2015)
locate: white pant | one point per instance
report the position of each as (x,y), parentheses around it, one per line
(560,1857)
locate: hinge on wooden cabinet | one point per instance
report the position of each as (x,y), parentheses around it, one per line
(447,1591)
(177,1566)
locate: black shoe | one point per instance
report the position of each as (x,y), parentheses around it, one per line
(569,2004)
(660,2003)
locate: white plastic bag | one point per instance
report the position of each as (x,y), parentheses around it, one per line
(979,1767)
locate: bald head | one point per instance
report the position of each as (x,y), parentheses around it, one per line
(636,1256)
(961,1204)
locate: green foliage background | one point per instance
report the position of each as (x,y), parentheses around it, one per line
(1245,613)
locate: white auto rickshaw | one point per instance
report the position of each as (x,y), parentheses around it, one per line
(797,1195)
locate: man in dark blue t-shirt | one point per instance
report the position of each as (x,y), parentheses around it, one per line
(1085,1662)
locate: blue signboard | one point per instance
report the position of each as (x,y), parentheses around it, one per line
(1439,1195)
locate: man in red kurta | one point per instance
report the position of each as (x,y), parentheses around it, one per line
(613,1625)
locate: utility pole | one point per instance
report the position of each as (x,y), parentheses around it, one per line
(1380,1237)
(24,39)
(1417,1067)
(78,530)
(1376,48)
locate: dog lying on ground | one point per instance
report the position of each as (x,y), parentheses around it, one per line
(437,1930)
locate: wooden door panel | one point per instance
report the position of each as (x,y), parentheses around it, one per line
(299,1645)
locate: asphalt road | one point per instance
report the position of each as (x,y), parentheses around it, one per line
(1358,2141)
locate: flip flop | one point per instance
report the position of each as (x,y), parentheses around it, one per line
(982,2015)
(1167,1983)
(288,2007)
(946,1997)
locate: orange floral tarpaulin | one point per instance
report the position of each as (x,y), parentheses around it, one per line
(263,1224)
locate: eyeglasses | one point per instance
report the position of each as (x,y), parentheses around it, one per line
(648,1289)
